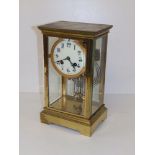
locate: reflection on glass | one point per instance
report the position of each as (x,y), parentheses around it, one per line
(98,77)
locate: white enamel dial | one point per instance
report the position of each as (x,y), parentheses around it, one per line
(68,57)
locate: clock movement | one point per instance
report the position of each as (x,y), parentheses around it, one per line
(74,74)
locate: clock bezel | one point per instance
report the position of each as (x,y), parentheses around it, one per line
(57,69)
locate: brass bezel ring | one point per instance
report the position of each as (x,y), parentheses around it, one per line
(57,69)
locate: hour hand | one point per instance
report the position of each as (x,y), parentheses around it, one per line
(60,61)
(72,64)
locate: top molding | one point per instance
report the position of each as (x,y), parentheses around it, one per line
(74,29)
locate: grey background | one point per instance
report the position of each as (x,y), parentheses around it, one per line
(120,58)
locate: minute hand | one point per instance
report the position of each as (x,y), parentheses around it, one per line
(72,64)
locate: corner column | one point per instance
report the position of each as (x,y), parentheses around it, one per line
(87,105)
(46,93)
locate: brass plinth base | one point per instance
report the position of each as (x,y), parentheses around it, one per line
(83,125)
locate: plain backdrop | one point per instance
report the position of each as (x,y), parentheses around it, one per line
(116,135)
(120,56)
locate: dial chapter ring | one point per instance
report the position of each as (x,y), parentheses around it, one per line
(57,69)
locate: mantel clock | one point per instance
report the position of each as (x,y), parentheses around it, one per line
(74,74)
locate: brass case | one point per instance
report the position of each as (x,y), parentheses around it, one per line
(84,126)
(91,117)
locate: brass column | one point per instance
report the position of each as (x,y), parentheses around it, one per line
(87,105)
(64,89)
(46,93)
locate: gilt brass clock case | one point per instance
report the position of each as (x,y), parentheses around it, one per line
(75,101)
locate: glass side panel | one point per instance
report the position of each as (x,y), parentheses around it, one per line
(99,73)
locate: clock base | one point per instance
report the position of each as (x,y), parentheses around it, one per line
(84,126)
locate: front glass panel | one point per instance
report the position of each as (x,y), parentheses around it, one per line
(66,66)
(99,57)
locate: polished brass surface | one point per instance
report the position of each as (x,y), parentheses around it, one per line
(64,86)
(83,125)
(66,29)
(46,99)
(64,90)
(72,35)
(87,106)
(82,114)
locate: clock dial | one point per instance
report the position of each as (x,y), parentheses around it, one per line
(68,57)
